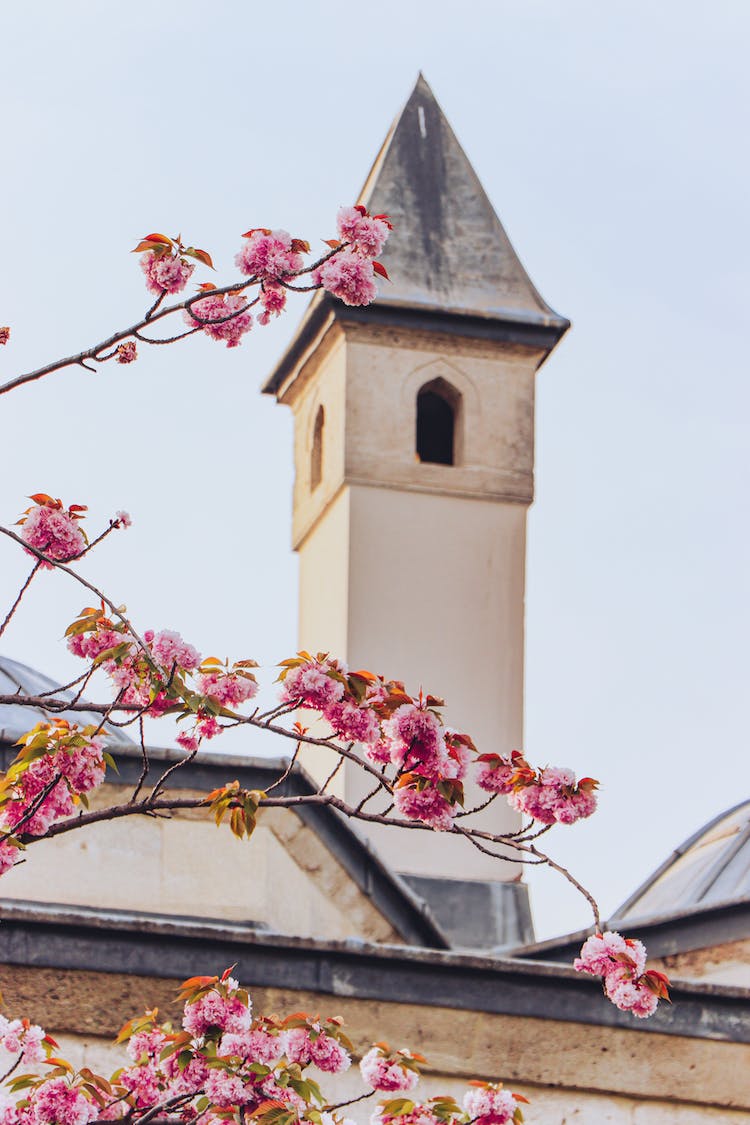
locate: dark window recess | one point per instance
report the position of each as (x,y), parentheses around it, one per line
(435,426)
(316,457)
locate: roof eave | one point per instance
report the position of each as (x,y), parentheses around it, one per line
(518,328)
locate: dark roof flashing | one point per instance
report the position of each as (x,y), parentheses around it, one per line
(129,943)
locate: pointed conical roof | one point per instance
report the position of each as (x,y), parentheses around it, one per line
(451,264)
(448,251)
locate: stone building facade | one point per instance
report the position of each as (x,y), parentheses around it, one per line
(414,472)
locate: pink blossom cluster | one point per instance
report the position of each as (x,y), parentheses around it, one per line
(356,723)
(220,1066)
(59,764)
(314,684)
(349,274)
(431,763)
(387,1070)
(393,728)
(58,1102)
(415,736)
(4,335)
(183,1079)
(621,963)
(222,316)
(423,801)
(146,1045)
(127,352)
(305,1045)
(123,519)
(420,1114)
(165,272)
(218,1010)
(9,856)
(322,684)
(169,649)
(256,1045)
(555,796)
(230,689)
(273,301)
(551,795)
(49,528)
(141,677)
(154,674)
(19,1037)
(495,772)
(269,254)
(367,234)
(489,1104)
(145,1084)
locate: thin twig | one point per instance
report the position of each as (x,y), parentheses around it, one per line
(21,593)
(373,793)
(478,808)
(162,780)
(288,770)
(144,759)
(331,775)
(352,1101)
(108,347)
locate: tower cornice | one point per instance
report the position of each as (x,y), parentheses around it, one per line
(532,334)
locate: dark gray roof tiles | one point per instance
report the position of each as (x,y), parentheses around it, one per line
(448,249)
(452,266)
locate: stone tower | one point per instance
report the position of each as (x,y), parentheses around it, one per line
(414,447)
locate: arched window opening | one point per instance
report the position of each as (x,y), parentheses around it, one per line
(437,410)
(316,457)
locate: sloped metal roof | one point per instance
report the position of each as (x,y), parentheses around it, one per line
(698,898)
(15,720)
(711,867)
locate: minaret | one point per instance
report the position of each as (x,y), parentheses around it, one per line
(414,448)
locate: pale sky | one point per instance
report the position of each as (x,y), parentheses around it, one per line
(612,140)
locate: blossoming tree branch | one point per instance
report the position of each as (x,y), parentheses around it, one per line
(223,1063)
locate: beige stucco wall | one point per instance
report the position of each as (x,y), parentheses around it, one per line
(186,865)
(573,1073)
(436,599)
(417,571)
(386,369)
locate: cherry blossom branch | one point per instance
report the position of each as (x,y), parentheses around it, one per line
(135,710)
(12,1067)
(107,348)
(84,582)
(157,804)
(21,593)
(33,808)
